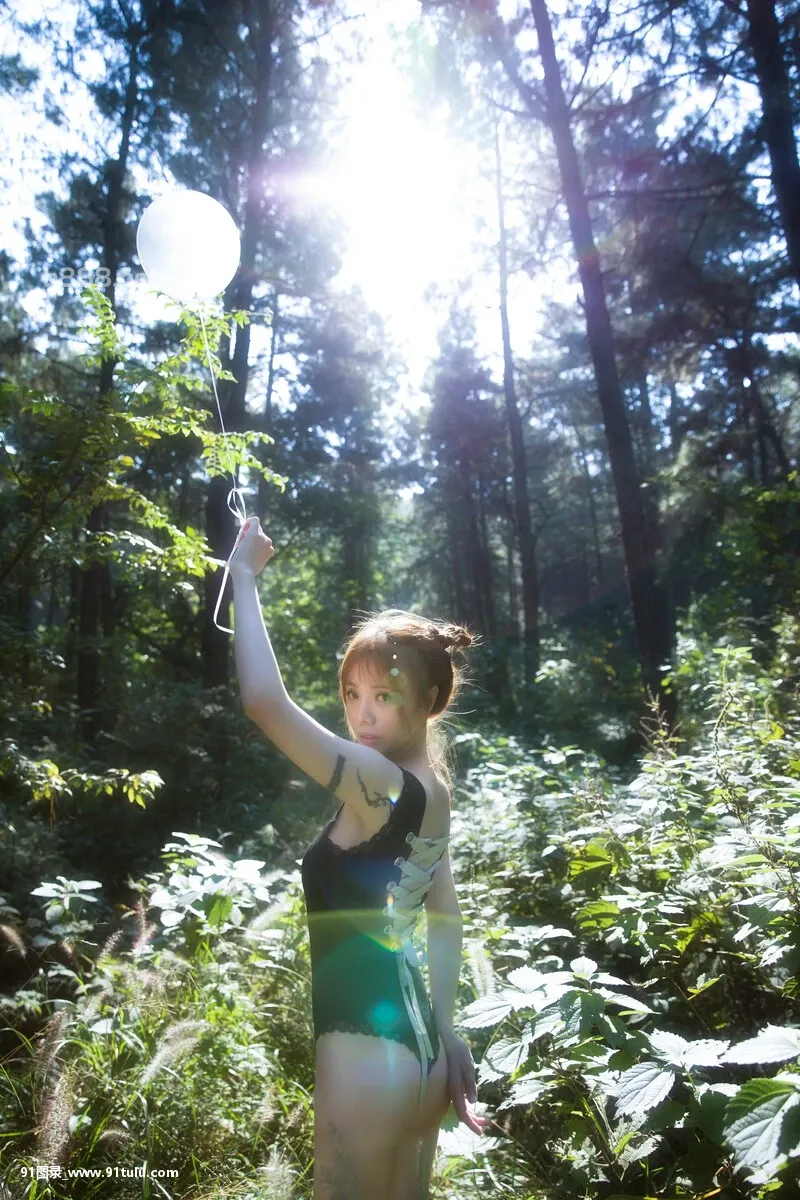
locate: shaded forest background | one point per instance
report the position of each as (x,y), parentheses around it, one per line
(611,509)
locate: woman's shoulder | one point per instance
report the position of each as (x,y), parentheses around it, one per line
(443,789)
(433,784)
(437,796)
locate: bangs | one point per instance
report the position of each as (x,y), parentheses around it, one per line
(379,658)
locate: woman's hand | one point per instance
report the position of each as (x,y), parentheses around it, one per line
(461,1081)
(253,548)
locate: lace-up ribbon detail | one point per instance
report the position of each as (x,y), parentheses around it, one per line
(408,895)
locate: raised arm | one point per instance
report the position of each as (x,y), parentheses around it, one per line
(358,775)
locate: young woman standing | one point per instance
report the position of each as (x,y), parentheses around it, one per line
(388,1062)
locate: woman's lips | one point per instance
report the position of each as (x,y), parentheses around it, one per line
(368,737)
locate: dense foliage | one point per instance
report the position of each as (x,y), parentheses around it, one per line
(604,488)
(632,952)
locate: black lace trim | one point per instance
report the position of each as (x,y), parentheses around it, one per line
(342,1026)
(377,838)
(399,1036)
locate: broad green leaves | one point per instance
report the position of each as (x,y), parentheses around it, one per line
(684,1054)
(677,898)
(643,1087)
(755,1123)
(773,1044)
(43,780)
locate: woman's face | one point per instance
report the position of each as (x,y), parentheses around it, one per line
(375,709)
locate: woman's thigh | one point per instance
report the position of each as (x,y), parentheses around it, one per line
(366,1099)
(415,1150)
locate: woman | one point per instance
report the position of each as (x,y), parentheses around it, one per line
(388,1062)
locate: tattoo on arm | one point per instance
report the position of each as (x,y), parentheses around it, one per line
(336,777)
(379,801)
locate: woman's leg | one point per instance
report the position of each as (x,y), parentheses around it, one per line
(366,1098)
(416,1150)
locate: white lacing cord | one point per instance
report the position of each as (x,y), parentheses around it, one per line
(407,897)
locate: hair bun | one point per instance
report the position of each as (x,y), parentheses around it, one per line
(455,636)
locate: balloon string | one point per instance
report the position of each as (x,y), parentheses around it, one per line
(235,493)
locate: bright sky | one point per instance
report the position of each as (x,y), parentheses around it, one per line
(409,194)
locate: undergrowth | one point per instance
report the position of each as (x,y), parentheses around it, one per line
(630,988)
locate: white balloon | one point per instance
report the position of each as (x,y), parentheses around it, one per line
(188,245)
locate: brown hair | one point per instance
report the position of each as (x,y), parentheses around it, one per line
(419,649)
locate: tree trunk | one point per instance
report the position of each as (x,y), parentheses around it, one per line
(511,574)
(456,562)
(471,541)
(487,574)
(350,573)
(598,553)
(766,427)
(777,128)
(497,677)
(274,341)
(527,544)
(649,601)
(96,598)
(742,423)
(357,537)
(273,346)
(25,625)
(673,419)
(651,490)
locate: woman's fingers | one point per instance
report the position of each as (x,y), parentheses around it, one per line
(459,1098)
(259,548)
(243,531)
(463,1094)
(462,1086)
(252,524)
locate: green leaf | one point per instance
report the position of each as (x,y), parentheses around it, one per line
(506,1055)
(706,1052)
(753,1122)
(707,1109)
(593,857)
(528,979)
(701,986)
(580,1012)
(486,1011)
(773,1044)
(218,909)
(461,1142)
(527,1090)
(612,980)
(626,1003)
(104,1025)
(598,916)
(638,1151)
(642,1087)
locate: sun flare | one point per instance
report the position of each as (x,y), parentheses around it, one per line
(398,183)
